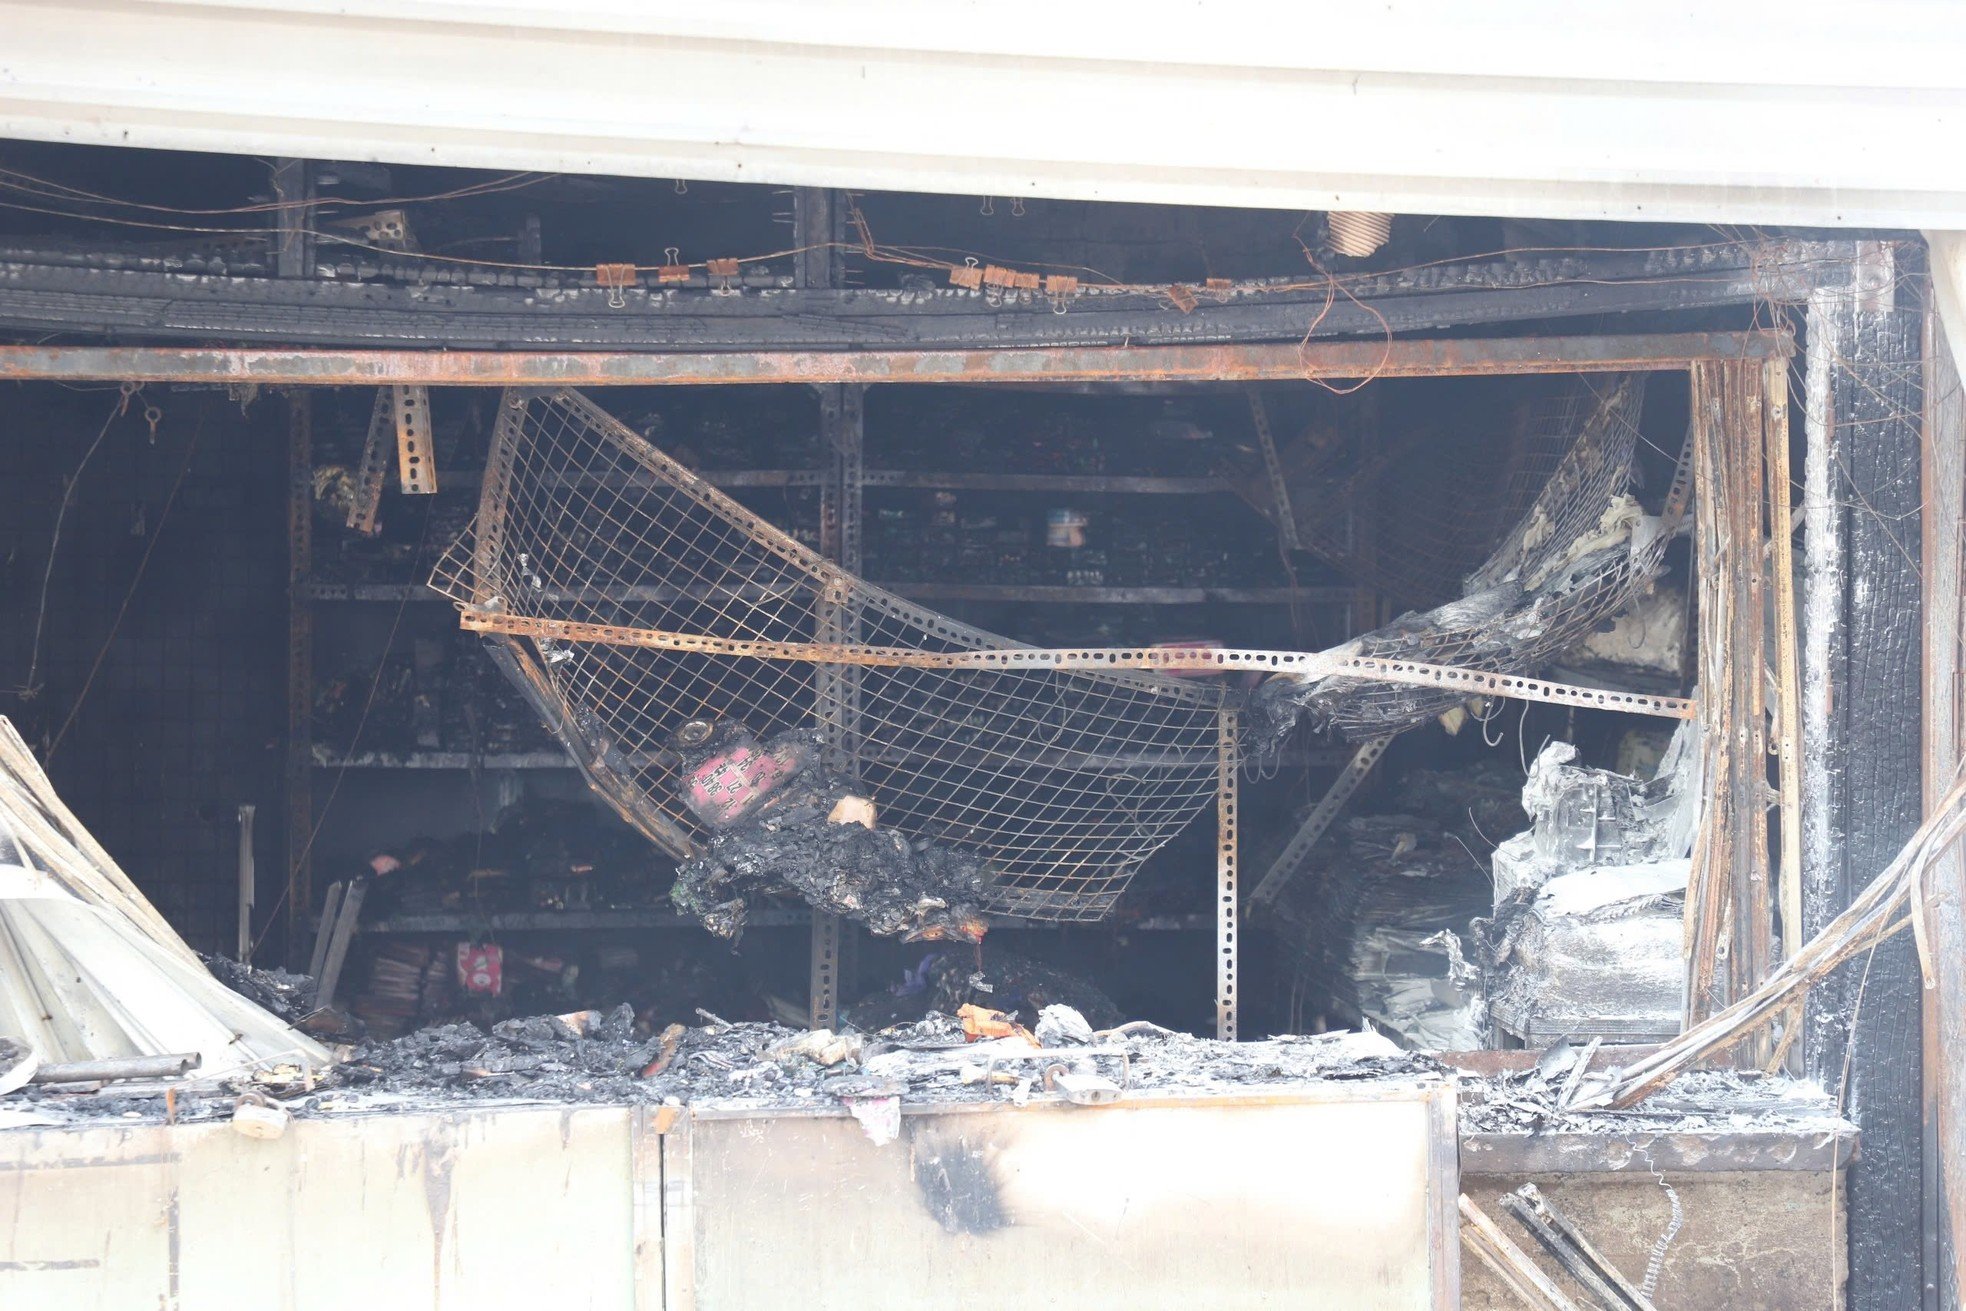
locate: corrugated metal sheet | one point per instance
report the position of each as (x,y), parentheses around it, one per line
(88,968)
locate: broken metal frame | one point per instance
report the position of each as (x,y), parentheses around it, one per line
(1726,355)
(1943,457)
(1286,518)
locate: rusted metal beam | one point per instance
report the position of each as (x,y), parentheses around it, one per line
(1405,358)
(1228,905)
(487,618)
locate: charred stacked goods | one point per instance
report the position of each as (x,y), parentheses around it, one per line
(539,855)
(948,978)
(1383,932)
(442,694)
(1587,936)
(1583,552)
(782,822)
(942,535)
(457,980)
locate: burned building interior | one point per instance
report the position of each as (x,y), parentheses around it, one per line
(1358,623)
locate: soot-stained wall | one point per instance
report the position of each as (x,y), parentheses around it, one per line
(158,722)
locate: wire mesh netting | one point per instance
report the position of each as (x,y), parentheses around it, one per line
(587,539)
(1581,552)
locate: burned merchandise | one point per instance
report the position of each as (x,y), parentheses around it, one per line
(1384,929)
(949,978)
(1587,933)
(782,822)
(538,855)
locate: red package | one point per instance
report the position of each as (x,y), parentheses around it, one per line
(481,968)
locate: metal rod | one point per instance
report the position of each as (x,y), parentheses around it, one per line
(1273,469)
(117,1067)
(1227,911)
(243,950)
(297,865)
(1393,358)
(819,215)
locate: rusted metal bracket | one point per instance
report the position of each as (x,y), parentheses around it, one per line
(1273,469)
(374,466)
(1401,358)
(1303,664)
(1291,860)
(1227,910)
(416,454)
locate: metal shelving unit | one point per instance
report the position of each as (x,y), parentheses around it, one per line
(840,483)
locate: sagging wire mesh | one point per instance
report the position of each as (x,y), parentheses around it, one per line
(1061,783)
(1582,552)
(1405,512)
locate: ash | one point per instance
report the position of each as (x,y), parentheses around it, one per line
(1716,1101)
(931,1060)
(289,996)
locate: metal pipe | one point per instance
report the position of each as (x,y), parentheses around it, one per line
(243,951)
(1386,358)
(117,1067)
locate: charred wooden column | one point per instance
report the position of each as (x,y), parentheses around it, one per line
(1945,660)
(1862,649)
(1728,915)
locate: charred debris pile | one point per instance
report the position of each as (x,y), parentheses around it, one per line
(982,1053)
